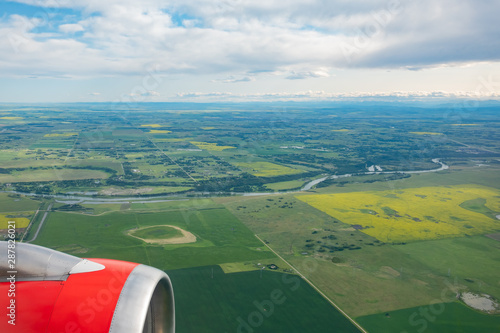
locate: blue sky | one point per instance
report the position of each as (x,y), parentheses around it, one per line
(247,50)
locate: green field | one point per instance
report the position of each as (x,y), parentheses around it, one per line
(221,302)
(52,174)
(432,318)
(17,203)
(221,238)
(292,184)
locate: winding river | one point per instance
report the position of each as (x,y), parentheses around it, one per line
(74,199)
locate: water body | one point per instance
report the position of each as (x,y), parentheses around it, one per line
(73,199)
(442,167)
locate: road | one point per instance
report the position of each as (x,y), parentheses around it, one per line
(315,288)
(41,224)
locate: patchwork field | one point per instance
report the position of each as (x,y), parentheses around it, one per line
(412,214)
(375,244)
(360,273)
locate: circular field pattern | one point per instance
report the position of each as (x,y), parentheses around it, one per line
(163,234)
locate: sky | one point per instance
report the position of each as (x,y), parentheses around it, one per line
(247,50)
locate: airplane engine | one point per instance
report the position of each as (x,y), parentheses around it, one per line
(43,290)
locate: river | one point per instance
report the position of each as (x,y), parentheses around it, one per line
(74,199)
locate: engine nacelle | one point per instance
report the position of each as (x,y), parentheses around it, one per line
(43,290)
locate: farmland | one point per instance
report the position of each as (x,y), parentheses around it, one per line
(117,183)
(234,299)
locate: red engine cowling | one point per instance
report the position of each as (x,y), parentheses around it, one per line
(42,290)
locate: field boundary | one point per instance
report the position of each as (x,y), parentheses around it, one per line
(315,288)
(186,237)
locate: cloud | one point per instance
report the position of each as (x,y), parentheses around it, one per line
(232,79)
(71,28)
(120,37)
(322,95)
(308,74)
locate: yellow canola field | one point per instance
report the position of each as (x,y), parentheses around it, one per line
(210,146)
(159,131)
(55,135)
(21,222)
(266,169)
(412,214)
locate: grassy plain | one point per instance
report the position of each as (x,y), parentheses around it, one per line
(472,260)
(17,203)
(411,214)
(438,318)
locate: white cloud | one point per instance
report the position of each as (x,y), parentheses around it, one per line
(322,95)
(233,79)
(308,74)
(71,28)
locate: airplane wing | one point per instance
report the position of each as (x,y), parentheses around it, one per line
(43,290)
